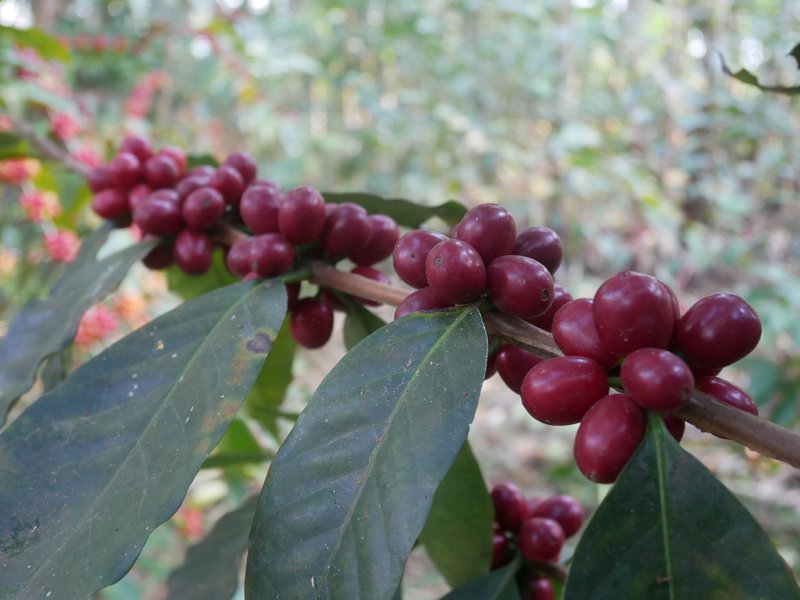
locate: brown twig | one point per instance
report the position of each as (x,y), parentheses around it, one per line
(47,148)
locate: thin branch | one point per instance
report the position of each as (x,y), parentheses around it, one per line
(47,148)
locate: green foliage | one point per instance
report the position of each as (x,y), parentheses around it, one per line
(45,45)
(373,444)
(13,146)
(500,584)
(405,212)
(95,465)
(359,322)
(668,529)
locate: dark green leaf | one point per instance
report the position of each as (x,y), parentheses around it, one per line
(13,146)
(192,286)
(348,492)
(55,369)
(497,585)
(196,160)
(747,77)
(405,212)
(44,327)
(668,529)
(237,446)
(795,54)
(93,467)
(269,391)
(47,46)
(211,568)
(458,533)
(359,323)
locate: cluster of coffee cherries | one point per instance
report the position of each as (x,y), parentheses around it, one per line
(536,527)
(188,208)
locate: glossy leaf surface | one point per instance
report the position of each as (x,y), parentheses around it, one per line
(405,212)
(500,584)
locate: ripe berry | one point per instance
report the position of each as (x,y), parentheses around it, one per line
(176,154)
(301,215)
(718,330)
(491,365)
(110,203)
(519,286)
(559,391)
(563,509)
(161,171)
(633,310)
(540,588)
(385,234)
(608,436)
(244,163)
(191,183)
(346,230)
(410,254)
(675,426)
(159,257)
(542,244)
(490,229)
(575,334)
(420,300)
(510,508)
(259,207)
(541,539)
(375,275)
(502,554)
(238,257)
(99,179)
(229,183)
(159,213)
(545,321)
(726,392)
(513,363)
(311,322)
(657,379)
(455,271)
(137,195)
(292,294)
(125,170)
(137,146)
(271,254)
(202,170)
(193,252)
(203,208)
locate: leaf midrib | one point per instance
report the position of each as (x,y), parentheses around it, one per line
(657,429)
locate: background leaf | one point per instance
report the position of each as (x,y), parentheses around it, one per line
(665,498)
(405,212)
(458,533)
(47,46)
(500,584)
(94,466)
(237,446)
(747,77)
(359,323)
(211,568)
(13,146)
(372,446)
(44,327)
(191,286)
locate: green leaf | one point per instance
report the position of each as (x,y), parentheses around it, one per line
(405,212)
(349,490)
(13,146)
(458,533)
(274,379)
(237,446)
(500,584)
(669,529)
(196,160)
(192,286)
(211,568)
(55,369)
(47,46)
(747,77)
(93,467)
(359,323)
(46,326)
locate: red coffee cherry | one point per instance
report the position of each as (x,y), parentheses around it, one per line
(202,171)
(510,508)
(99,179)
(542,244)
(229,183)
(726,392)
(657,379)
(375,275)
(176,154)
(490,229)
(718,330)
(159,257)
(244,163)
(608,435)
(563,509)
(193,252)
(491,366)
(502,554)
(301,215)
(191,183)
(292,294)
(559,391)
(541,539)
(410,254)
(271,254)
(675,426)
(311,322)
(137,146)
(110,203)
(238,258)
(125,170)
(346,231)
(519,286)
(161,171)
(540,588)
(633,310)
(513,363)
(159,213)
(455,271)
(203,208)
(421,300)
(259,207)
(575,334)
(137,195)
(385,234)
(545,321)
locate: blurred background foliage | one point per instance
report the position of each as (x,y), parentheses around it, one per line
(611,122)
